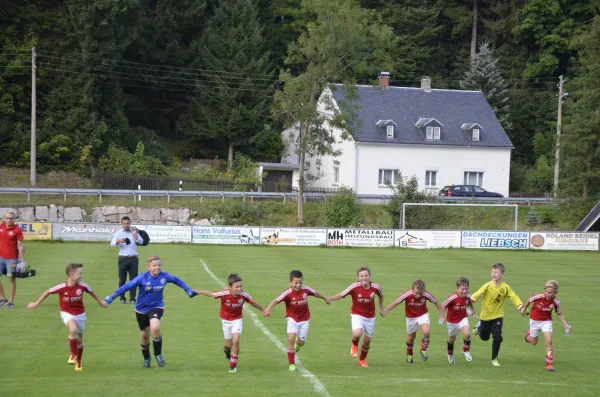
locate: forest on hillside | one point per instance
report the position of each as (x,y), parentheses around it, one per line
(211,78)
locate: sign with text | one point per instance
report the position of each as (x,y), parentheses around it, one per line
(292,236)
(564,241)
(360,237)
(167,233)
(225,235)
(84,231)
(427,239)
(495,240)
(36,230)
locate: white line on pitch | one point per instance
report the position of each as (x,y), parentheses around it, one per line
(319,387)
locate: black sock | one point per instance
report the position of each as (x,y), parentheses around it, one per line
(495,349)
(450,348)
(157,345)
(227,351)
(146,351)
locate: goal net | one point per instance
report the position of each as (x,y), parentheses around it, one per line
(437,216)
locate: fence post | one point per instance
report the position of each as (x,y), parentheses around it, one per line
(139,196)
(133,197)
(222,198)
(244,197)
(200,198)
(100,198)
(168,198)
(180,184)
(28,194)
(284,195)
(64,196)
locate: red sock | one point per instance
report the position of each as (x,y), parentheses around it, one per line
(73,346)
(355,342)
(424,344)
(409,348)
(233,361)
(466,345)
(291,356)
(549,358)
(79,354)
(363,353)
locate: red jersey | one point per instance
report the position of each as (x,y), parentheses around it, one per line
(363,299)
(457,308)
(8,241)
(71,297)
(296,303)
(542,307)
(415,307)
(232,306)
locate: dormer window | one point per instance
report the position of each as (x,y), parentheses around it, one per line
(473,129)
(432,128)
(390,131)
(476,134)
(437,132)
(429,133)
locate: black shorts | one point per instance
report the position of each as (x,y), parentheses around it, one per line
(143,319)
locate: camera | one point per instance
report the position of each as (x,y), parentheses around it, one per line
(127,241)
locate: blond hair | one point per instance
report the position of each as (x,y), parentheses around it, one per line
(552,284)
(71,267)
(462,281)
(419,283)
(362,269)
(499,266)
(153,258)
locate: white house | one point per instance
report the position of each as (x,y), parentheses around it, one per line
(443,137)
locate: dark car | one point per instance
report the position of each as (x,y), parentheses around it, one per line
(467,191)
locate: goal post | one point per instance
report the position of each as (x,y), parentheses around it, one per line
(495,214)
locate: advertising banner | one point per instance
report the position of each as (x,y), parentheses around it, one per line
(495,240)
(427,239)
(167,233)
(360,237)
(36,230)
(84,231)
(225,235)
(564,241)
(292,236)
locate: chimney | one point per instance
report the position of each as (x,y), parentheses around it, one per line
(384,80)
(426,83)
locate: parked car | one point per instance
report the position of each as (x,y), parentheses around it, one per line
(467,191)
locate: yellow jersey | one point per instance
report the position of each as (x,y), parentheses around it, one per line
(492,304)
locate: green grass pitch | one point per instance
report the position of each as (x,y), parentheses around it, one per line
(34,347)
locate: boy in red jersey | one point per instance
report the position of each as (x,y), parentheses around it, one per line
(362,312)
(296,313)
(72,311)
(417,316)
(457,318)
(232,304)
(540,318)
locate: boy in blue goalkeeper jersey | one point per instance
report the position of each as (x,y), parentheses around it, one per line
(149,307)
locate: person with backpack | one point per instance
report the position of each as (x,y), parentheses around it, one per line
(127,239)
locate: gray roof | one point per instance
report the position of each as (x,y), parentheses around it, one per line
(406,106)
(279,166)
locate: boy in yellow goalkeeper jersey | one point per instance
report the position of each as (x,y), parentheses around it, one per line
(493,294)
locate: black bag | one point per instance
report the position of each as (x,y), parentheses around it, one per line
(144,237)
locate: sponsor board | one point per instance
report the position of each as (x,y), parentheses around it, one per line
(167,233)
(427,238)
(360,237)
(36,230)
(225,235)
(292,236)
(84,231)
(564,241)
(495,240)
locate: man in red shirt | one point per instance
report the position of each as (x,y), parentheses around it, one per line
(11,249)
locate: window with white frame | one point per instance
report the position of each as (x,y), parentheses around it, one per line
(437,132)
(475,134)
(386,176)
(430,178)
(390,131)
(474,178)
(429,133)
(336,174)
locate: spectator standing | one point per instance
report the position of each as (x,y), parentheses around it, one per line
(127,240)
(11,250)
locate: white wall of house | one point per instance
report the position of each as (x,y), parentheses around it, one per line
(449,163)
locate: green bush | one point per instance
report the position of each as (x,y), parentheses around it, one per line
(120,161)
(342,209)
(406,190)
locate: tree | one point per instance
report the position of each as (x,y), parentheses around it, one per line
(344,42)
(484,75)
(235,90)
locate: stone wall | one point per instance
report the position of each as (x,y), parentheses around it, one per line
(53,213)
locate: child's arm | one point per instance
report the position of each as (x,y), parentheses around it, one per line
(562,319)
(479,292)
(181,284)
(390,307)
(203,292)
(441,310)
(524,308)
(33,305)
(125,287)
(257,306)
(267,311)
(515,299)
(380,298)
(336,297)
(321,296)
(100,302)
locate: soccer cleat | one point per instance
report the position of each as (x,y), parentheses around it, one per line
(354,351)
(9,305)
(227,353)
(409,359)
(292,367)
(424,355)
(72,359)
(160,360)
(363,363)
(3,302)
(132,301)
(451,358)
(147,363)
(527,336)
(468,356)
(476,328)
(123,301)
(550,368)
(232,370)
(495,362)
(297,347)
(78,367)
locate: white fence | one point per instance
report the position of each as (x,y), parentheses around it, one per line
(333,237)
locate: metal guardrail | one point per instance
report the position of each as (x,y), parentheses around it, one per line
(282,195)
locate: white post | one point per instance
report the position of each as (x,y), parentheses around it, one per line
(180,184)
(558,131)
(33,148)
(139,195)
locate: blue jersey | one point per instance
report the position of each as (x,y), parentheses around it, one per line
(151,290)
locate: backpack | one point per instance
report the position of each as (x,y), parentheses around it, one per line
(144,237)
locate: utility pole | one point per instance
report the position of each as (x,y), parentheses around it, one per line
(558,130)
(33,149)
